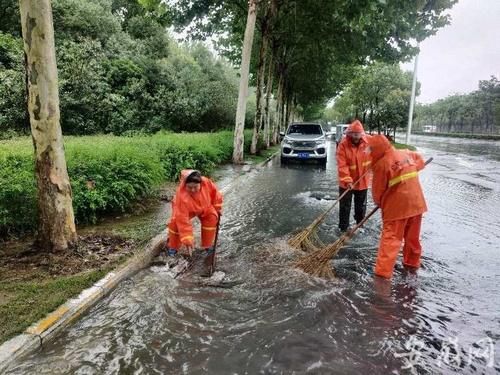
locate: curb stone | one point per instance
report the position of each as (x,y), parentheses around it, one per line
(46,329)
(41,332)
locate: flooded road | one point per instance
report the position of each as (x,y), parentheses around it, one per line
(444,319)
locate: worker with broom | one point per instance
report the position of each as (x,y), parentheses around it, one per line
(353,162)
(196,196)
(396,190)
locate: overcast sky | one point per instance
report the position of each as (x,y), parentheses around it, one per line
(462,53)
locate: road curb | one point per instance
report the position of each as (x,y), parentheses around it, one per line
(46,329)
(270,158)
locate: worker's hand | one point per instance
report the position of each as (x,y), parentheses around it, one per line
(350,186)
(187,250)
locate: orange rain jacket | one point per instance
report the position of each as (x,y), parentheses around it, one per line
(186,206)
(354,160)
(396,188)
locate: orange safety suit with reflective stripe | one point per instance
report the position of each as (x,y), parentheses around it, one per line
(352,162)
(206,204)
(396,190)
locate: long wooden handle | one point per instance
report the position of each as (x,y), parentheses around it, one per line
(215,241)
(351,231)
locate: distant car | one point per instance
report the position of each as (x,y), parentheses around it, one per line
(340,132)
(304,141)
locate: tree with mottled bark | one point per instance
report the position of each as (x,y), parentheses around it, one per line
(56,224)
(239,140)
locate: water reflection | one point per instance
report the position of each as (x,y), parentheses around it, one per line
(280,320)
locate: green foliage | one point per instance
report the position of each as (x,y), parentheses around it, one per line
(379,96)
(74,19)
(119,71)
(10,18)
(17,191)
(107,173)
(316,43)
(30,301)
(476,112)
(12,94)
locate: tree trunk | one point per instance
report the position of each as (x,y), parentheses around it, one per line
(288,110)
(257,124)
(56,224)
(26,95)
(269,90)
(279,105)
(239,141)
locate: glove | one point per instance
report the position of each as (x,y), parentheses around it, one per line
(171,252)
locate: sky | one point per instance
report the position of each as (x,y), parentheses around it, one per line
(462,53)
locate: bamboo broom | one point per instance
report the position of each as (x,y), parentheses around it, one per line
(307,239)
(318,263)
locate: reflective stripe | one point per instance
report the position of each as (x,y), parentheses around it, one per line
(172,231)
(353,167)
(406,176)
(209,228)
(346,179)
(365,163)
(186,237)
(218,205)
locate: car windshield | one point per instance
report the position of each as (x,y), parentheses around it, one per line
(304,129)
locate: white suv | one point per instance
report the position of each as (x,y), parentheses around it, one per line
(304,141)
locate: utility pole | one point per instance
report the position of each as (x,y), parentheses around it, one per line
(412,101)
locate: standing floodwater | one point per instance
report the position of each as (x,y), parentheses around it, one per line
(278,320)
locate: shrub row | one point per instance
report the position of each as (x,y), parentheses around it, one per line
(107,173)
(495,137)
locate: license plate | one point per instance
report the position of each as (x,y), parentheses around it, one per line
(303,155)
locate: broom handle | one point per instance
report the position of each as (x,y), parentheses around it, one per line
(351,232)
(215,241)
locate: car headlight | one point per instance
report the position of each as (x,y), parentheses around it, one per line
(287,140)
(320,142)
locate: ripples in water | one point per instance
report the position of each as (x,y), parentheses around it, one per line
(280,320)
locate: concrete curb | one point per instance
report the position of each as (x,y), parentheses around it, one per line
(46,329)
(270,158)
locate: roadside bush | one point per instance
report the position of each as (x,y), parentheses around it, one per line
(107,173)
(17,194)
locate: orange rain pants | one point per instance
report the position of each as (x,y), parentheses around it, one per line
(206,204)
(208,229)
(393,234)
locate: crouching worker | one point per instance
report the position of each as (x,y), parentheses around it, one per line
(396,190)
(196,196)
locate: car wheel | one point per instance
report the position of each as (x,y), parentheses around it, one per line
(322,161)
(284,161)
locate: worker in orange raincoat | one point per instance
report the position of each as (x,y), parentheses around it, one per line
(396,190)
(353,160)
(196,196)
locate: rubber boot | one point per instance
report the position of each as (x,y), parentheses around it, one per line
(172,259)
(208,262)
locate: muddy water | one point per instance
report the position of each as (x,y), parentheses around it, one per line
(444,319)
